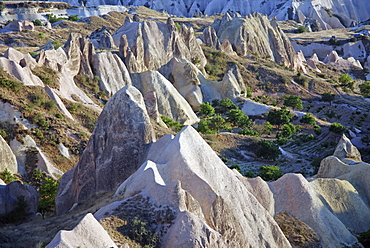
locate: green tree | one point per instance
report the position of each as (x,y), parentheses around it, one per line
(268,150)
(293,101)
(206,109)
(288,130)
(270,172)
(204,127)
(47,192)
(344,79)
(308,119)
(7,176)
(226,104)
(239,118)
(279,116)
(337,128)
(327,97)
(217,123)
(365,89)
(301,29)
(267,127)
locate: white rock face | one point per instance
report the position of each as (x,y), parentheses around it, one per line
(7,158)
(112,72)
(255,34)
(255,108)
(88,233)
(294,194)
(340,63)
(59,102)
(170,102)
(148,45)
(184,173)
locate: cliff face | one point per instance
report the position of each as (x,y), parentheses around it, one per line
(255,34)
(148,45)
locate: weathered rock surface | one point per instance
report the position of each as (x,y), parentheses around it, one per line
(255,108)
(294,194)
(255,34)
(102,38)
(18,26)
(230,87)
(170,103)
(11,193)
(7,157)
(345,150)
(343,200)
(115,150)
(88,233)
(20,150)
(112,72)
(184,75)
(58,102)
(340,63)
(184,173)
(148,45)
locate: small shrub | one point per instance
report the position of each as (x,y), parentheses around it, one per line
(288,130)
(236,167)
(42,35)
(172,124)
(293,101)
(73,18)
(203,127)
(10,84)
(37,22)
(249,132)
(301,29)
(39,134)
(279,116)
(59,116)
(270,173)
(7,176)
(226,105)
(337,128)
(308,119)
(206,109)
(267,150)
(3,134)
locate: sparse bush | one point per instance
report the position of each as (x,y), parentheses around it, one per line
(279,116)
(42,35)
(10,84)
(7,176)
(268,150)
(206,109)
(301,29)
(365,89)
(288,130)
(236,167)
(327,97)
(56,44)
(270,172)
(226,105)
(308,119)
(249,132)
(39,134)
(337,128)
(73,18)
(3,134)
(37,22)
(59,116)
(292,101)
(172,124)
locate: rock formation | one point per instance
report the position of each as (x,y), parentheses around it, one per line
(255,34)
(148,45)
(7,158)
(88,233)
(184,174)
(13,192)
(112,72)
(102,38)
(170,103)
(185,77)
(340,63)
(115,150)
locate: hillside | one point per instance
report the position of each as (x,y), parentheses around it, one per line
(212,131)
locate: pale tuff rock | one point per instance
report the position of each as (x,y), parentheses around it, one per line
(343,200)
(184,173)
(88,233)
(345,150)
(2,182)
(102,38)
(20,58)
(313,62)
(148,45)
(170,103)
(294,194)
(18,26)
(23,74)
(20,149)
(7,158)
(58,102)
(254,108)
(115,150)
(255,34)
(9,195)
(210,38)
(340,63)
(185,77)
(231,86)
(151,104)
(112,72)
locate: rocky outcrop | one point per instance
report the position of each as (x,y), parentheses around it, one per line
(294,194)
(170,103)
(102,38)
(112,72)
(18,26)
(148,45)
(255,34)
(345,150)
(7,158)
(230,87)
(340,63)
(20,150)
(58,102)
(185,77)
(14,192)
(115,150)
(88,233)
(184,174)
